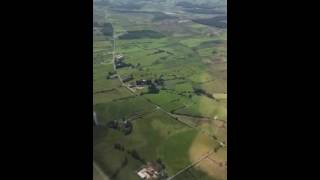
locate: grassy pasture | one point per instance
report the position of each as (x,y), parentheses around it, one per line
(111,95)
(123,108)
(154,136)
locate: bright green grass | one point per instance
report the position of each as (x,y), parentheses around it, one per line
(168,100)
(175,150)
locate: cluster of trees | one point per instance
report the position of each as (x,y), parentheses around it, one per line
(134,154)
(125,126)
(207,44)
(199,92)
(123,64)
(163,174)
(141,34)
(159,81)
(107,29)
(153,89)
(161,163)
(217,147)
(158,16)
(214,22)
(118,146)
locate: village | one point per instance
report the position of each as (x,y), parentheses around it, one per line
(128,81)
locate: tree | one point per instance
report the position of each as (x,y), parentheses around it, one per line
(107,29)
(161,163)
(127,129)
(124,162)
(153,89)
(159,82)
(136,156)
(113,124)
(117,146)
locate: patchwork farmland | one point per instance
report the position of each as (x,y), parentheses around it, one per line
(159,90)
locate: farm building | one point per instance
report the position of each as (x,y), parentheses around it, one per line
(143,82)
(148,172)
(119,57)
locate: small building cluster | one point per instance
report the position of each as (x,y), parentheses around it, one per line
(149,172)
(138,84)
(143,82)
(119,62)
(119,57)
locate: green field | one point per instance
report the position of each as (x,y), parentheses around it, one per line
(155,136)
